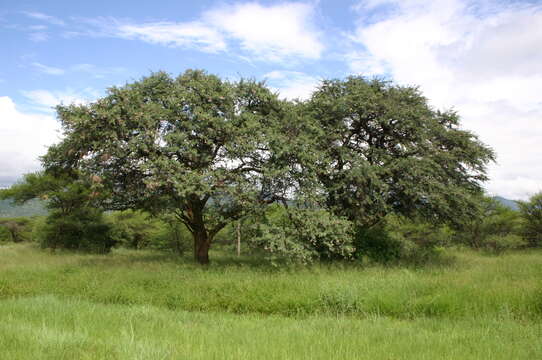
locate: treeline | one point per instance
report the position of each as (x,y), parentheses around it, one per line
(363,168)
(96,232)
(283,235)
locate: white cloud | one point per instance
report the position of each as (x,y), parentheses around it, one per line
(191,35)
(44,17)
(292,84)
(48,69)
(275,33)
(38,36)
(37,27)
(95,71)
(45,100)
(271,33)
(363,62)
(37,130)
(482,58)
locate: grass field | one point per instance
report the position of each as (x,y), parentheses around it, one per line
(146,305)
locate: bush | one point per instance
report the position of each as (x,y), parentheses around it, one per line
(84,230)
(303,235)
(494,225)
(500,243)
(133,229)
(531,211)
(16,229)
(139,230)
(377,244)
(4,234)
(400,239)
(171,236)
(38,227)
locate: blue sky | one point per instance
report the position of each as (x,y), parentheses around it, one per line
(482,58)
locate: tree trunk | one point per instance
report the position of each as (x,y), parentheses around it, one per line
(238,227)
(202,244)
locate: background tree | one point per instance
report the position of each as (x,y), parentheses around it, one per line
(206,150)
(16,227)
(493,227)
(134,229)
(387,151)
(531,211)
(75,219)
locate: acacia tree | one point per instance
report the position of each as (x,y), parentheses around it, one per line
(531,212)
(75,219)
(210,151)
(15,227)
(493,221)
(206,150)
(387,150)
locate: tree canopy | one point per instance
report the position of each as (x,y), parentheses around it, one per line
(388,151)
(205,149)
(211,151)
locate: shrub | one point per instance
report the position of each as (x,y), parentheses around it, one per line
(303,235)
(377,244)
(4,234)
(495,224)
(84,230)
(500,243)
(15,229)
(133,229)
(171,236)
(400,239)
(531,211)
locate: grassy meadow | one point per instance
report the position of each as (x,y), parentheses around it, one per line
(151,305)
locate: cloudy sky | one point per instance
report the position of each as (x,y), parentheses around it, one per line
(482,58)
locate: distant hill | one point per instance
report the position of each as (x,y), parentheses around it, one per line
(37,207)
(31,208)
(506,202)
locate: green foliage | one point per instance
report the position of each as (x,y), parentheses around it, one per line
(16,229)
(400,239)
(75,220)
(4,234)
(303,235)
(498,243)
(83,229)
(493,224)
(421,240)
(173,235)
(209,152)
(36,233)
(387,151)
(377,244)
(133,229)
(531,211)
(200,148)
(140,230)
(64,192)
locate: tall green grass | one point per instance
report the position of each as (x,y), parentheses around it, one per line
(475,285)
(46,327)
(150,305)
